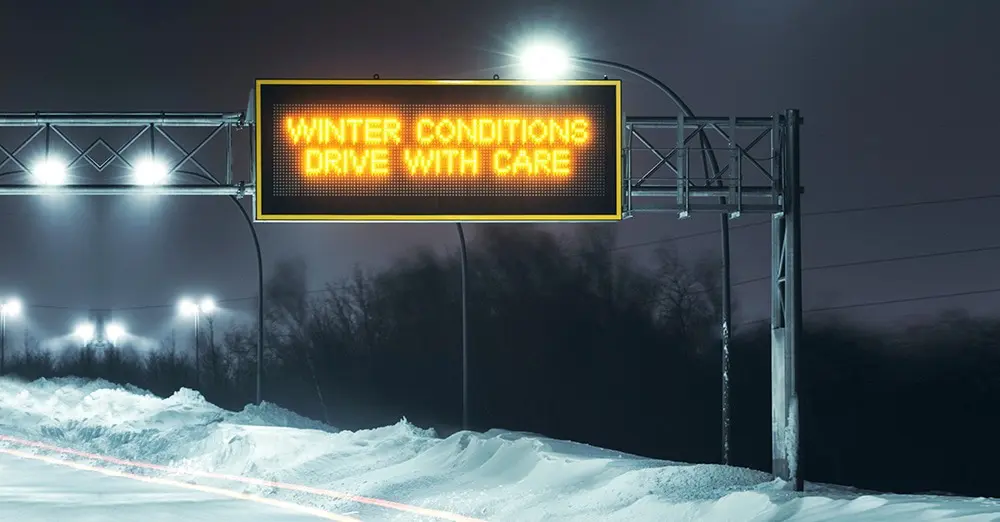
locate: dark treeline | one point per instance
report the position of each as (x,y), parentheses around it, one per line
(571,339)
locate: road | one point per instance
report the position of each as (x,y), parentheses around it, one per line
(37,488)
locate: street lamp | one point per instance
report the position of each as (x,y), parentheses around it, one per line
(49,171)
(113,332)
(150,171)
(85,332)
(195,310)
(8,308)
(542,60)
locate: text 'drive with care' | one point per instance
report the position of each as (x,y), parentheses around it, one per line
(438,151)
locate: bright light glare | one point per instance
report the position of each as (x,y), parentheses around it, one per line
(11,308)
(188,308)
(207,305)
(113,332)
(150,172)
(50,171)
(84,332)
(544,61)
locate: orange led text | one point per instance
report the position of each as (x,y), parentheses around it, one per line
(533,163)
(505,146)
(346,162)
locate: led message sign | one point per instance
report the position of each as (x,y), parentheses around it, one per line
(421,150)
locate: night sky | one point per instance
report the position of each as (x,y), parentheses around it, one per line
(898,99)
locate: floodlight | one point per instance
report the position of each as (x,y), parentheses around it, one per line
(50,171)
(84,332)
(11,308)
(150,172)
(188,308)
(207,305)
(544,61)
(113,332)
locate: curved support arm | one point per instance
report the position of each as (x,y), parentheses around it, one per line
(260,280)
(702,137)
(465,329)
(709,159)
(641,74)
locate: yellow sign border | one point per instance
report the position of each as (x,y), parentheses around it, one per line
(425,218)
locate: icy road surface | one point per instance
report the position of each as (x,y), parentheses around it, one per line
(392,473)
(33,490)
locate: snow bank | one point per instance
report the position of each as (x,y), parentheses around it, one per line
(496,476)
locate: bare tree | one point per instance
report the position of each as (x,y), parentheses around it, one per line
(290,318)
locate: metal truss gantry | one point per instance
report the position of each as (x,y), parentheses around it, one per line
(149,128)
(665,179)
(657,179)
(149,132)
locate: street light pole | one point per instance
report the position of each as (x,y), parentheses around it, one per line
(708,156)
(465,329)
(195,310)
(197,350)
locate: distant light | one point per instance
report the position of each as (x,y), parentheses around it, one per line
(207,305)
(150,172)
(187,308)
(113,332)
(11,308)
(191,308)
(84,332)
(49,171)
(544,61)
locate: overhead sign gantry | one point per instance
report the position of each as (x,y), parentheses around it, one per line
(438,150)
(423,150)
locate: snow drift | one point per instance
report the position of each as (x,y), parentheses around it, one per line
(496,476)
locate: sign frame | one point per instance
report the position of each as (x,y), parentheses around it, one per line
(259,215)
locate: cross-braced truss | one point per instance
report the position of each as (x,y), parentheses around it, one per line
(153,132)
(733,158)
(730,165)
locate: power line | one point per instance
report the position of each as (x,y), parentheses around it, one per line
(688,236)
(895,259)
(850,210)
(889,302)
(863,262)
(164,306)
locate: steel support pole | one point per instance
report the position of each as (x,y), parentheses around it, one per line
(260,274)
(465,328)
(725,335)
(786,311)
(793,293)
(259,378)
(260,299)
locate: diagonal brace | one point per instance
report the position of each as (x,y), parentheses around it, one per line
(12,156)
(189,156)
(744,152)
(85,153)
(663,160)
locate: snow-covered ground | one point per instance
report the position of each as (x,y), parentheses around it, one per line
(32,490)
(402,472)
